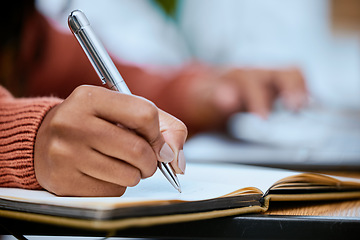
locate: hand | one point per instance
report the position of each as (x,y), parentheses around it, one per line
(258,88)
(99,142)
(214,96)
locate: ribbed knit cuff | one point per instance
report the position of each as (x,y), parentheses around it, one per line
(19,123)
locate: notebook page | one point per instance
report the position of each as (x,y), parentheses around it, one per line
(201,181)
(205,181)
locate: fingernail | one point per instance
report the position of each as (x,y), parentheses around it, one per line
(182,161)
(166,154)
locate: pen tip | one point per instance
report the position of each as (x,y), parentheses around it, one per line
(179,189)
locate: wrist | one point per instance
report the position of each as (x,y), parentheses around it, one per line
(23,118)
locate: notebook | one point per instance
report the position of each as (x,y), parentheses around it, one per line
(208,191)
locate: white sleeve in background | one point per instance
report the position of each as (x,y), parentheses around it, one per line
(278,33)
(133,30)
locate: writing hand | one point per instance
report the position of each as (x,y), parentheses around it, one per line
(99,142)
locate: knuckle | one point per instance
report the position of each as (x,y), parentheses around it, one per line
(140,148)
(82,92)
(116,191)
(102,190)
(151,169)
(85,95)
(147,113)
(57,167)
(181,127)
(61,120)
(133,178)
(145,158)
(58,122)
(56,153)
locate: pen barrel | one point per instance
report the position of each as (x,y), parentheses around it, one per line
(96,52)
(105,68)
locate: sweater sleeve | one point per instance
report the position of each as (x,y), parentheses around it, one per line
(20,119)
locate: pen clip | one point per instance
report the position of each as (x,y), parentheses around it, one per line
(102,78)
(88,54)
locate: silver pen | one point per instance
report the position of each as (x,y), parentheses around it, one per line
(105,68)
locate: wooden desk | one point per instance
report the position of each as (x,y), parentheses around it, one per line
(293,220)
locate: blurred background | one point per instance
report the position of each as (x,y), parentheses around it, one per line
(321,37)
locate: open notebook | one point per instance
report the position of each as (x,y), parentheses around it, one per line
(208,191)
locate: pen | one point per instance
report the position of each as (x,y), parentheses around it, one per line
(106,70)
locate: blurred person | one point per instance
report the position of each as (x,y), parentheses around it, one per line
(277,33)
(253,34)
(138,33)
(44,140)
(248,33)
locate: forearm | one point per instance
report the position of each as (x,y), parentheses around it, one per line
(19,122)
(177,91)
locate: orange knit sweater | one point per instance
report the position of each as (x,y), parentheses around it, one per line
(19,122)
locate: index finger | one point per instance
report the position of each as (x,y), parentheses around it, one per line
(292,87)
(132,112)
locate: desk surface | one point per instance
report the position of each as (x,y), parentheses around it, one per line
(292,220)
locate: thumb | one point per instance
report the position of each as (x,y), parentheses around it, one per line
(174,132)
